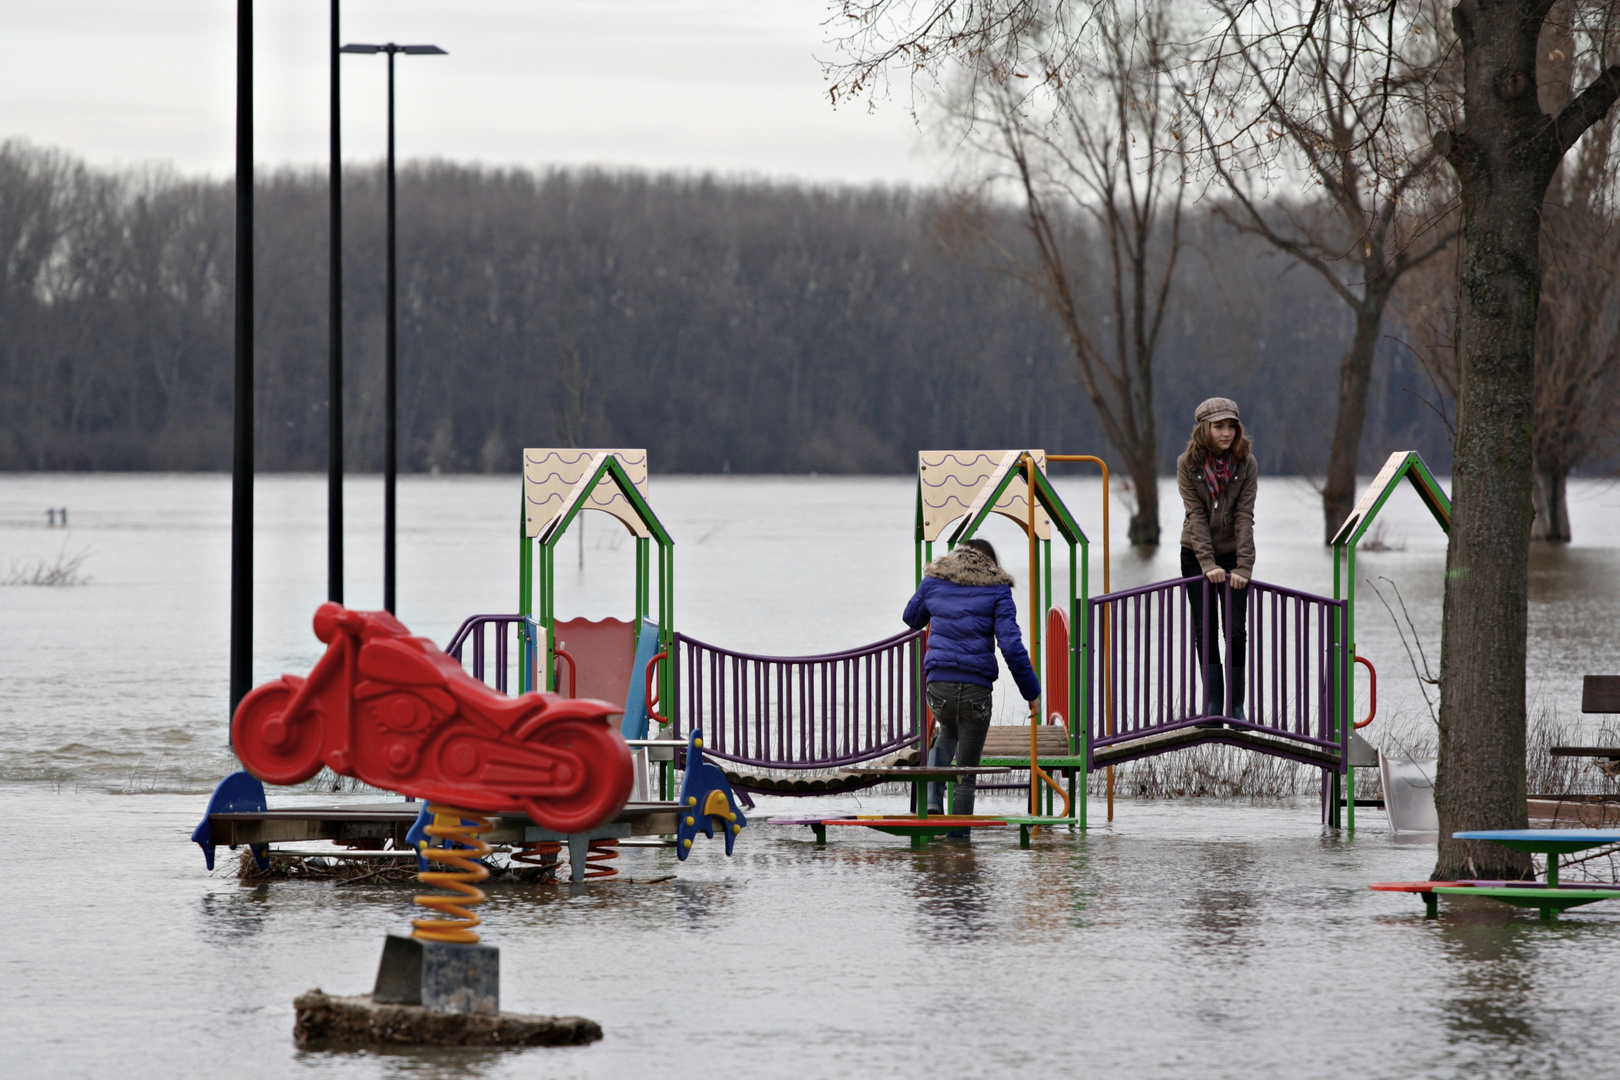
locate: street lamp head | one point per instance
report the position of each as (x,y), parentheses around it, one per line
(408,50)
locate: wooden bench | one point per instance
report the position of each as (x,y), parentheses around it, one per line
(1007,745)
(1599,694)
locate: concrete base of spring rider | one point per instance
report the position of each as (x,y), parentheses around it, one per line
(440,976)
(328,1020)
(433,993)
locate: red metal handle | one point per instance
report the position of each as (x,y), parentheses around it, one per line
(1372,694)
(573,672)
(648,684)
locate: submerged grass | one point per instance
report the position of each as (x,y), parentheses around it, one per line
(65,569)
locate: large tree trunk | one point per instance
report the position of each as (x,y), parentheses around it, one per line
(1501,156)
(1355,374)
(1547,495)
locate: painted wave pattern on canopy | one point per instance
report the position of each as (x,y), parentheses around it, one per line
(951,479)
(551,474)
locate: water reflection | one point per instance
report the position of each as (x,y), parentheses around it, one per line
(698,905)
(1493,954)
(445,1063)
(953,895)
(236,914)
(1223,904)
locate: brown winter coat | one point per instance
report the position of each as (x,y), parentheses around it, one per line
(1211,529)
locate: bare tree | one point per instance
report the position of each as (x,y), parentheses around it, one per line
(1504,144)
(1102,199)
(1283,104)
(1577,379)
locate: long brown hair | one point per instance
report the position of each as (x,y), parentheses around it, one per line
(1201,443)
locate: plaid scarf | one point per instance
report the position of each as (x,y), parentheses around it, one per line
(1218,472)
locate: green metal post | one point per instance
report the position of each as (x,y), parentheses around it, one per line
(1349,716)
(1080,677)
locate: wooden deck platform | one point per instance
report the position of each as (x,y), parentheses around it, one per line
(1232,733)
(373,823)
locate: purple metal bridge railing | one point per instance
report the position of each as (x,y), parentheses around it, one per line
(799,712)
(1148,676)
(475,630)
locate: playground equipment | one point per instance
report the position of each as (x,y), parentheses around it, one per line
(605,659)
(1122,675)
(957,491)
(1549,897)
(848,720)
(1129,684)
(706,801)
(1401,465)
(394,711)
(463,828)
(1014,484)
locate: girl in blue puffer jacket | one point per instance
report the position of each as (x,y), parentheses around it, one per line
(966,599)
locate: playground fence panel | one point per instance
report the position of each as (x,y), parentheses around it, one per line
(493,658)
(799,712)
(1148,675)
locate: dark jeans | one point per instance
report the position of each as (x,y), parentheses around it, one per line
(962,711)
(1208,648)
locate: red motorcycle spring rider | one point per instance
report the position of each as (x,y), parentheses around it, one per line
(396,712)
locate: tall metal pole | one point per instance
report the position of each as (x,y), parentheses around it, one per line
(242,448)
(334,355)
(391,346)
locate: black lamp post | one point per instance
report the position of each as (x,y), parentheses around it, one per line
(334,347)
(391,343)
(241,660)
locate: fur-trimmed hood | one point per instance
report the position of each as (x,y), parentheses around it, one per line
(967,566)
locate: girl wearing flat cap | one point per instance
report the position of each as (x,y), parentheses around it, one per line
(1217,477)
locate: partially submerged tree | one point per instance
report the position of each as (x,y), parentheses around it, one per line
(1577,380)
(1504,150)
(1282,104)
(1101,196)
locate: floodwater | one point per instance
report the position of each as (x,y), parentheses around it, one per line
(1190,938)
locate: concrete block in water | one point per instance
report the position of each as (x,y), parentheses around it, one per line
(326,1019)
(439,976)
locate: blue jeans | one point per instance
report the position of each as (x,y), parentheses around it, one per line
(962,711)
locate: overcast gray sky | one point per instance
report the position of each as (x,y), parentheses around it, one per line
(725,85)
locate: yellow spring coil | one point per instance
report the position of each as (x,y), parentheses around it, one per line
(458,921)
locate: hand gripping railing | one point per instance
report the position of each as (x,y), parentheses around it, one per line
(1155,675)
(799,712)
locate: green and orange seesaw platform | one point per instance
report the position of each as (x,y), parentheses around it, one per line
(1550,896)
(923,827)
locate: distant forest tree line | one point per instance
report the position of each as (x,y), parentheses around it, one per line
(724,324)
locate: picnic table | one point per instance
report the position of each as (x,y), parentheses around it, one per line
(1549,896)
